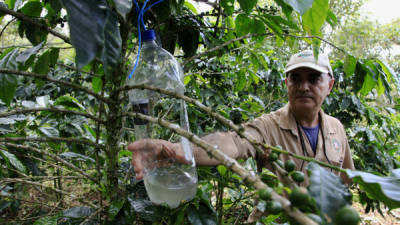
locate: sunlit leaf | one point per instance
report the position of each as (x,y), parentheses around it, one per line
(331,18)
(228,6)
(350,65)
(221,169)
(192,8)
(97,84)
(315,17)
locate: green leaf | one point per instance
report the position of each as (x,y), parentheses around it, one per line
(77,212)
(390,76)
(300,6)
(47,220)
(146,209)
(241,80)
(27,54)
(202,215)
(350,65)
(55,5)
(243,24)
(188,38)
(111,51)
(368,85)
(8,83)
(32,9)
(49,131)
(331,18)
(315,17)
(72,156)
(34,34)
(69,102)
(228,6)
(86,19)
(287,9)
(247,5)
(123,7)
(384,189)
(258,27)
(42,65)
(115,207)
(327,189)
(13,160)
(97,84)
(221,169)
(380,88)
(191,7)
(54,53)
(273,22)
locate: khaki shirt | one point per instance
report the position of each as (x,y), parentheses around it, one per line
(279,128)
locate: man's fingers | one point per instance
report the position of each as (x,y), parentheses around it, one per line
(182,159)
(137,163)
(166,152)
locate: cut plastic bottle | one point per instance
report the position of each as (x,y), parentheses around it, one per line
(169,182)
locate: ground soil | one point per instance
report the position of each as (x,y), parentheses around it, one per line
(375,218)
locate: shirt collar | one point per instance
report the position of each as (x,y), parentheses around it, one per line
(287,121)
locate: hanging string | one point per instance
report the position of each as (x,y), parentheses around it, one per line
(140,22)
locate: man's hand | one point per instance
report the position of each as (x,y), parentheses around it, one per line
(146,151)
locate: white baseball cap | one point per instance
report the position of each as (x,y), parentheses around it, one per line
(306,59)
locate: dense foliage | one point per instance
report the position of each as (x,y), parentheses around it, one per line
(64,124)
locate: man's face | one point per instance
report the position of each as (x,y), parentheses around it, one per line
(307,89)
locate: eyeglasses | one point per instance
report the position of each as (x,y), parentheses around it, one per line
(312,78)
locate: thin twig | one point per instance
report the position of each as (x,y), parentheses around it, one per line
(41,203)
(321,39)
(53,109)
(34,22)
(4,28)
(30,45)
(81,71)
(52,139)
(60,82)
(221,46)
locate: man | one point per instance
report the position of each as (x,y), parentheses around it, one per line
(300,127)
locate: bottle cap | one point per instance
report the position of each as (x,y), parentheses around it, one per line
(148,35)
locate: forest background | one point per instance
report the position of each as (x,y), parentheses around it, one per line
(65,124)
